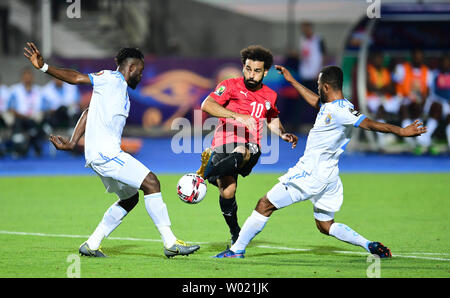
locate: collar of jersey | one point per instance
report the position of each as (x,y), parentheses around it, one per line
(121,75)
(338,100)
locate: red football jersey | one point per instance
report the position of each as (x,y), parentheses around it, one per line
(233,95)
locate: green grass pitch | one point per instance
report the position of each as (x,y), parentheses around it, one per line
(43,220)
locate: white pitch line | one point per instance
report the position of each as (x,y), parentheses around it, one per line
(259,246)
(85,236)
(363,253)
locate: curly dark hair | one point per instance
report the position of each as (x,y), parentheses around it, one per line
(257,53)
(126,53)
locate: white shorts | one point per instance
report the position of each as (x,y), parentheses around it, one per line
(122,175)
(326,198)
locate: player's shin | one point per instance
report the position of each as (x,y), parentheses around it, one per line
(344,233)
(229,210)
(157,210)
(252,226)
(110,221)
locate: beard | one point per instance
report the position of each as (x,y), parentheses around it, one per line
(251,84)
(133,82)
(322,97)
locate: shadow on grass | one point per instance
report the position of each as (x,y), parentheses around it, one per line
(127,250)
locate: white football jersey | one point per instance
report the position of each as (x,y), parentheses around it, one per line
(326,142)
(108,110)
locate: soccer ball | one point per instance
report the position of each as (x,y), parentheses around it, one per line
(191,188)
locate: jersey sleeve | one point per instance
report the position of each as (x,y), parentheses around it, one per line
(349,116)
(98,78)
(273,112)
(222,92)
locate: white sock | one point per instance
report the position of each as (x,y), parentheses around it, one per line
(110,221)
(346,234)
(425,139)
(411,141)
(252,226)
(157,210)
(447,131)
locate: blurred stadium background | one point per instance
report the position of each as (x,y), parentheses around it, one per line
(190,46)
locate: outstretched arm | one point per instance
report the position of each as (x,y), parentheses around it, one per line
(67,75)
(276,127)
(413,130)
(309,96)
(62,143)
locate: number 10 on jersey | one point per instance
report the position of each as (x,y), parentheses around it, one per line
(257,109)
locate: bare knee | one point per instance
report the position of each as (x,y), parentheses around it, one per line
(228,192)
(244,151)
(324,226)
(265,207)
(150,184)
(129,203)
(227,187)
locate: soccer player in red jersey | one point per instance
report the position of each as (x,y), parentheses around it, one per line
(242,105)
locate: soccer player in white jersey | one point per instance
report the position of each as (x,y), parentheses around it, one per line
(102,124)
(316,175)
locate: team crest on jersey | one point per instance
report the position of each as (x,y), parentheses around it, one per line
(220,90)
(328,119)
(354,112)
(268,106)
(99,73)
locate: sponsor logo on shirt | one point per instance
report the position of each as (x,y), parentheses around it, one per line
(354,112)
(99,73)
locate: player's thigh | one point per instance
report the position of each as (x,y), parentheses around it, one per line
(122,175)
(244,151)
(296,186)
(282,195)
(133,172)
(122,190)
(254,153)
(331,198)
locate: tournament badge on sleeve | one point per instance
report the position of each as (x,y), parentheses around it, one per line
(220,90)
